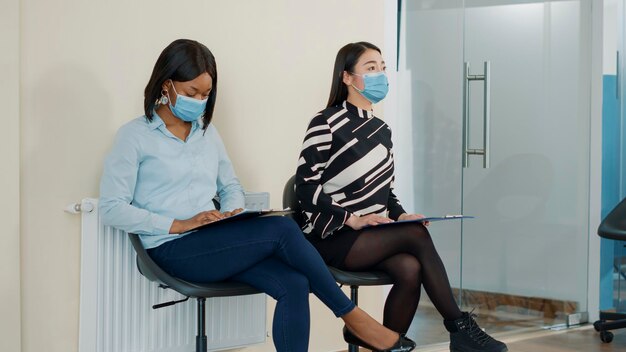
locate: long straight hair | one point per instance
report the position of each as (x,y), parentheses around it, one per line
(183,60)
(346,59)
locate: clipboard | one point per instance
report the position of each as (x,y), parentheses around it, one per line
(247,214)
(426,219)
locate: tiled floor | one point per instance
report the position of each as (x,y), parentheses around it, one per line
(583,339)
(521,330)
(521,333)
(427,327)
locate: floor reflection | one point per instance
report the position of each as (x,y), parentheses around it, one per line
(427,326)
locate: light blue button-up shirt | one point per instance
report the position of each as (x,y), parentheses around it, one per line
(152,177)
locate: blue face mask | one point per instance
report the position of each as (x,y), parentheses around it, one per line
(375,87)
(186,108)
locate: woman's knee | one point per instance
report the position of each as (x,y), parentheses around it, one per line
(420,230)
(287,229)
(282,224)
(278,227)
(296,285)
(406,271)
(415,233)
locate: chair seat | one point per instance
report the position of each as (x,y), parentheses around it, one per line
(148,268)
(614,230)
(217,289)
(360,278)
(220,289)
(614,225)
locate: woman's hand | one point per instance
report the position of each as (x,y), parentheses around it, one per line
(202,218)
(406,216)
(359,222)
(228,214)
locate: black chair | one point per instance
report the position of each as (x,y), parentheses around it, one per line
(148,268)
(612,227)
(354,279)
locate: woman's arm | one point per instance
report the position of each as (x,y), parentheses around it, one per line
(394,207)
(228,187)
(203,218)
(325,214)
(117,187)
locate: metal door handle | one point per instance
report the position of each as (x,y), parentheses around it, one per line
(487,115)
(486,77)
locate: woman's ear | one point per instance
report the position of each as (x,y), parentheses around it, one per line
(347,78)
(166,85)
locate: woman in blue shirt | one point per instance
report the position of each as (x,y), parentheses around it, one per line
(160,179)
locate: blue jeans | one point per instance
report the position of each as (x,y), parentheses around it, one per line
(270,254)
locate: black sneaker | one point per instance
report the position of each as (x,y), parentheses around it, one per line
(467,336)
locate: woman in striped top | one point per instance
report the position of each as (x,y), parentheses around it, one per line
(344,183)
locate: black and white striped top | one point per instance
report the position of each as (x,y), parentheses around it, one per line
(345,167)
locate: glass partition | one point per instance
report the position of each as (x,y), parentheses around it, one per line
(513,78)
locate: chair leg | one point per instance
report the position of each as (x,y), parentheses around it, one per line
(354,294)
(201,341)
(354,297)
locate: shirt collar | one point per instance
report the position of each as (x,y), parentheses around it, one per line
(157,122)
(358,111)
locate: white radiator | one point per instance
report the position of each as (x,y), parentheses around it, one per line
(116,312)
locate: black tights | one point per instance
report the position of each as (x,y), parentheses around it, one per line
(408,255)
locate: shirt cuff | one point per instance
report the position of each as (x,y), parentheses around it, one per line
(161,225)
(394,214)
(346,216)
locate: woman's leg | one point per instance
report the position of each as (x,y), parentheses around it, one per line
(291,317)
(300,254)
(220,252)
(374,246)
(402,301)
(290,289)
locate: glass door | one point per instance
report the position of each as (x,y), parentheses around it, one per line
(526,177)
(510,147)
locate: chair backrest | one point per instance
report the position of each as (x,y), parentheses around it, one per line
(614,225)
(291,200)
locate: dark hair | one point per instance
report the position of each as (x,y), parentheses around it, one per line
(347,57)
(183,60)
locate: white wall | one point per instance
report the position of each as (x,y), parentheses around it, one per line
(84,65)
(9,178)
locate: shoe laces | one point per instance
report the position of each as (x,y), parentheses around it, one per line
(474,331)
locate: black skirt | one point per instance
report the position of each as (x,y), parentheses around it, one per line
(335,247)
